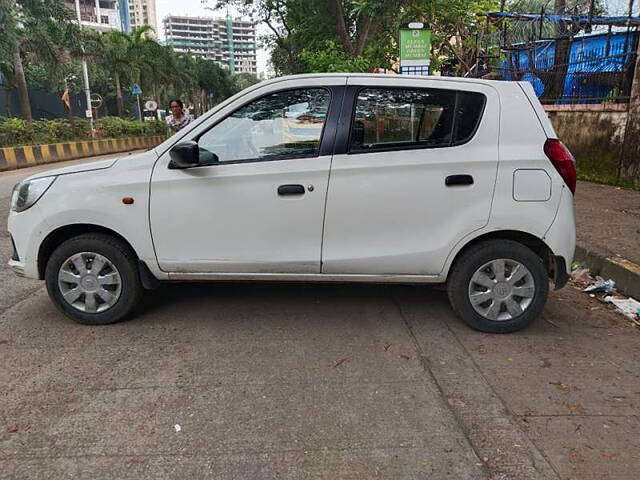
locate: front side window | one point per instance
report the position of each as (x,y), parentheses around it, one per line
(396,118)
(281,125)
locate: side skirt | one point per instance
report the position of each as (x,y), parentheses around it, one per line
(306,277)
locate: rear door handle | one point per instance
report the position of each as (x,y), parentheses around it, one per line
(291,190)
(454,180)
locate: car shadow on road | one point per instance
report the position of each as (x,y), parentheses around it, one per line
(242,298)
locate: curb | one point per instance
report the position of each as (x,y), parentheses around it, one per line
(625,273)
(12,158)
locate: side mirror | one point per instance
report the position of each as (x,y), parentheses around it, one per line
(185,155)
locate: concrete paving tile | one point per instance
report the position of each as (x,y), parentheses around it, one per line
(588,448)
(308,464)
(574,369)
(139,366)
(222,313)
(399,463)
(179,466)
(494,432)
(250,418)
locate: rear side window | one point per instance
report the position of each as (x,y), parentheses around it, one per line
(397,118)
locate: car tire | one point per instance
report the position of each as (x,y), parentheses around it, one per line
(498,286)
(112,292)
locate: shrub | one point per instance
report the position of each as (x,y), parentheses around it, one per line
(16,132)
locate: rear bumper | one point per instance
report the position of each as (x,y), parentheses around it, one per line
(560,273)
(17,267)
(561,239)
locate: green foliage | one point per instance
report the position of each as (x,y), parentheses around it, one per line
(244,80)
(359,35)
(16,132)
(112,127)
(333,59)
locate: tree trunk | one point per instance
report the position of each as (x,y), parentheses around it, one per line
(629,170)
(363,34)
(7,101)
(554,87)
(119,101)
(21,83)
(342,27)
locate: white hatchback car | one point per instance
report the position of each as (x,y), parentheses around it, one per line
(330,177)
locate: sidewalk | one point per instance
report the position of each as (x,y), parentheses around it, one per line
(608,233)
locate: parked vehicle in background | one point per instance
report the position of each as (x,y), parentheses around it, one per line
(330,177)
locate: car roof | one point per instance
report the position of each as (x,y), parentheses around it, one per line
(493,83)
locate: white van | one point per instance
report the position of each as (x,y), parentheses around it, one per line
(319,178)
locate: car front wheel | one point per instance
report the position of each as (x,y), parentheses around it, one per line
(93,279)
(498,286)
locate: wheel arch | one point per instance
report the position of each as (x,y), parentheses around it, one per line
(64,233)
(534,243)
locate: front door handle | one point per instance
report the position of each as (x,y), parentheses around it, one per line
(454,180)
(290,190)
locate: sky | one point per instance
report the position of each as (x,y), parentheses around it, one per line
(197,8)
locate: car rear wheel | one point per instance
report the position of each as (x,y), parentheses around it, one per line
(498,286)
(93,279)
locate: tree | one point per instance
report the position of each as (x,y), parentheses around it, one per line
(36,30)
(244,80)
(115,55)
(363,34)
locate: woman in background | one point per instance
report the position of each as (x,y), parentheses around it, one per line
(179,117)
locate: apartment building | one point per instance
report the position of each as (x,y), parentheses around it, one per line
(100,15)
(143,12)
(231,43)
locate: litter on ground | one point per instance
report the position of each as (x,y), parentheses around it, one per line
(629,307)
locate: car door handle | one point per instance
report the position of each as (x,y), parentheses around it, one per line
(290,190)
(454,180)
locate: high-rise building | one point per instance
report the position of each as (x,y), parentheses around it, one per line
(125,21)
(143,12)
(101,15)
(230,43)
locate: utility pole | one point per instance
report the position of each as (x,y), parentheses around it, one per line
(85,74)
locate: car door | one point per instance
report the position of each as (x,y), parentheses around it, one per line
(256,202)
(413,174)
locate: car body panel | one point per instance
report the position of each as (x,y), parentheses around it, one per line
(390,212)
(236,220)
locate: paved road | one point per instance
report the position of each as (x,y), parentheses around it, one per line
(311,381)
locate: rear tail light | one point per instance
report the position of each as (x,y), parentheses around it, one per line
(562,160)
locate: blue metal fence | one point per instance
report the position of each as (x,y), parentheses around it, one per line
(599,67)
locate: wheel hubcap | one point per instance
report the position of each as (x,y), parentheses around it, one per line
(501,289)
(89,282)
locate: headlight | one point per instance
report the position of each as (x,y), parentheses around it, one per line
(27,193)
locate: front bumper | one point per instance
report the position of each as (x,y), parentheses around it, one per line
(27,230)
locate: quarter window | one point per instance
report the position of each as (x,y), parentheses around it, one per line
(406,118)
(281,125)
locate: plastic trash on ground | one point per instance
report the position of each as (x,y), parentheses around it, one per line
(581,276)
(629,307)
(601,285)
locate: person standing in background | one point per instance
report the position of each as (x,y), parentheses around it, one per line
(179,117)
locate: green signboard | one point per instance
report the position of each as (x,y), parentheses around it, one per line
(415,48)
